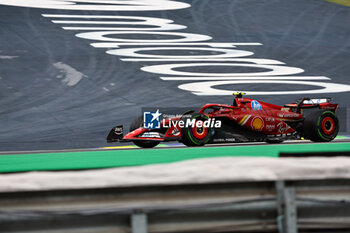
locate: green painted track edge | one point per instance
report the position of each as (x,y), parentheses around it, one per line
(340,2)
(138,157)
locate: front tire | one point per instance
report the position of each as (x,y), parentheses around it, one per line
(195,136)
(321,126)
(135,124)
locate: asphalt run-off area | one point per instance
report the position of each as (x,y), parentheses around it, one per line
(70,72)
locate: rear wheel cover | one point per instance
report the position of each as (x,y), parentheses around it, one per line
(328,125)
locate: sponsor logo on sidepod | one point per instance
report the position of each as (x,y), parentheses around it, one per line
(256,105)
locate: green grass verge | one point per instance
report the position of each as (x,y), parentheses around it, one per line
(137,157)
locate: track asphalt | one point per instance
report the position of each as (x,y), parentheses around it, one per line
(58,92)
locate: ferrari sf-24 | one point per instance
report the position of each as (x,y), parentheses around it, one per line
(246,120)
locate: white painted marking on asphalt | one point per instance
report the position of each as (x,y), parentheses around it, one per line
(8,57)
(196,59)
(222,53)
(206,88)
(248,78)
(115,37)
(68,74)
(92,16)
(172,69)
(104,36)
(219,45)
(100,5)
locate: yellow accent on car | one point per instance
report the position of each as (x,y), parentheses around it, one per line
(243,119)
(239,93)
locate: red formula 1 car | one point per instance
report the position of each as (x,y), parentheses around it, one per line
(246,120)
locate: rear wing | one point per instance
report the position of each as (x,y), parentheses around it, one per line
(321,103)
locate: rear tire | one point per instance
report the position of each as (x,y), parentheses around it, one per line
(321,126)
(195,136)
(135,124)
